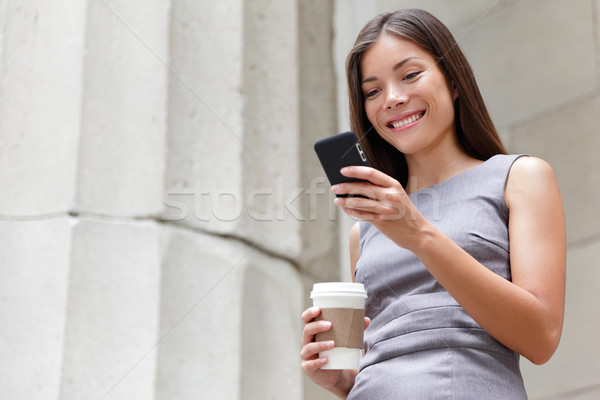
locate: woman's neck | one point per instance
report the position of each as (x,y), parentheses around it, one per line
(428,168)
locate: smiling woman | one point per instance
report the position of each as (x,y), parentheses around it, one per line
(460,246)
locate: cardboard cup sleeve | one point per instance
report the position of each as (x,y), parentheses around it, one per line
(347,326)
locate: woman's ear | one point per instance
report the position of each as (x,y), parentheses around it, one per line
(454,92)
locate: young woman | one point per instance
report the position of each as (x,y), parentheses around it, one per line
(460,246)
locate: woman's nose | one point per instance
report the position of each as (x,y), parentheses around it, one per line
(395,98)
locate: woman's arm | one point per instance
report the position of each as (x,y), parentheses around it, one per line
(526,314)
(354,247)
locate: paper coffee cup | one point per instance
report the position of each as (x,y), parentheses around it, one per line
(343,304)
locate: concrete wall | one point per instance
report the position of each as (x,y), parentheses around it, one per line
(162,213)
(537,63)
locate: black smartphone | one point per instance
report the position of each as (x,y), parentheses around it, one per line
(340,151)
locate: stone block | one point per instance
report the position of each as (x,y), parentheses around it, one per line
(522,54)
(113,311)
(282,123)
(576,364)
(40,82)
(569,141)
(34,265)
(230,323)
(271,329)
(205,108)
(233,140)
(240,140)
(272,122)
(200,327)
(123,114)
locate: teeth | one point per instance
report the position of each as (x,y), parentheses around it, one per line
(413,118)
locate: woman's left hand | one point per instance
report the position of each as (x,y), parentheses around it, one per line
(385,205)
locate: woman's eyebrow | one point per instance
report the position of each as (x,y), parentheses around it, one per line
(394,68)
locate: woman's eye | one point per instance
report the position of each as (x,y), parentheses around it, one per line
(412,75)
(372,93)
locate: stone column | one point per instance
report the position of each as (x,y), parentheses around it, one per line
(114,285)
(112,314)
(123,115)
(34,265)
(40,82)
(250,92)
(40,85)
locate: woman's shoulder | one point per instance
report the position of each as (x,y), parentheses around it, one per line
(529,176)
(525,169)
(531,164)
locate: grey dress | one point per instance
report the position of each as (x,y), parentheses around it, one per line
(421,344)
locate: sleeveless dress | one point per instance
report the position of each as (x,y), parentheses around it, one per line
(421,344)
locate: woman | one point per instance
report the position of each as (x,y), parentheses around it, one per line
(450,308)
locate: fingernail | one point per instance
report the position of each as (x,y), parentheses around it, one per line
(334,188)
(330,343)
(344,170)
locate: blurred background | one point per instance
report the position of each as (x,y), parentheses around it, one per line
(163,215)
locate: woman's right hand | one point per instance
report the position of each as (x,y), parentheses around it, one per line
(335,380)
(311,362)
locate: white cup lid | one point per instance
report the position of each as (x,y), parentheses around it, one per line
(338,289)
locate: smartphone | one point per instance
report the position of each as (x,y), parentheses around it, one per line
(340,151)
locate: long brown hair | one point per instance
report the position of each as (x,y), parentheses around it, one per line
(474,128)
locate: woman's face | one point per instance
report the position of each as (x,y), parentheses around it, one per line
(406,96)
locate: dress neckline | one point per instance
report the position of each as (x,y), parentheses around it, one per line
(455,176)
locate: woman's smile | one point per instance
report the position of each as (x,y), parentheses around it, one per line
(405,122)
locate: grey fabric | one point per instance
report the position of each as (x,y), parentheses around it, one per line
(421,344)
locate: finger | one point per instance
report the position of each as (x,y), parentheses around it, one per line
(370,174)
(366,189)
(360,203)
(360,215)
(311,350)
(360,190)
(367,322)
(310,366)
(311,329)
(310,313)
(370,205)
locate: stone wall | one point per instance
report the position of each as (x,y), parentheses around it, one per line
(162,212)
(537,63)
